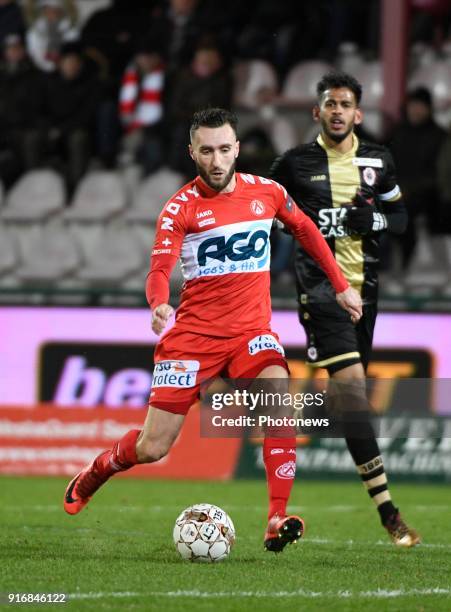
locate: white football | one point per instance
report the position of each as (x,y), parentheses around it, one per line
(204,533)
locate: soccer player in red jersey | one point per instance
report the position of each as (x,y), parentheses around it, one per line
(219,226)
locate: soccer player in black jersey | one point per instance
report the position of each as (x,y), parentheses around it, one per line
(348,187)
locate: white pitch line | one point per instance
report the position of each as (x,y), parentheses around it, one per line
(301,593)
(176,508)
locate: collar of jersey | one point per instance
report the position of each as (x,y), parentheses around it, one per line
(207,192)
(333,153)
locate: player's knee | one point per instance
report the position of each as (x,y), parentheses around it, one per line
(151,450)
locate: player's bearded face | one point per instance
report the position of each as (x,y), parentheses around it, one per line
(214,151)
(338,113)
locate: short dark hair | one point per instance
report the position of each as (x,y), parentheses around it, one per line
(213,118)
(335,79)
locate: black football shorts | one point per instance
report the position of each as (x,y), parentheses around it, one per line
(333,341)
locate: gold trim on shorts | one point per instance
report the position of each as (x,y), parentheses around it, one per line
(331,360)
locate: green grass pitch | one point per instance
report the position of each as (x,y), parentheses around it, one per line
(118,553)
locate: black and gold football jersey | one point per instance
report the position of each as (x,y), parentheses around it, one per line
(323,183)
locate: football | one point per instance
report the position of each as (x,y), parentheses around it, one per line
(204,533)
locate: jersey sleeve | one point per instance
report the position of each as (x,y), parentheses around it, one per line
(389,190)
(171,229)
(310,238)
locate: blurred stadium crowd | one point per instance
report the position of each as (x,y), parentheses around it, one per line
(95,102)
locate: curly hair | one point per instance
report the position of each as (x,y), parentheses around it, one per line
(334,80)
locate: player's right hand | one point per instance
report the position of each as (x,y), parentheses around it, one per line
(160,317)
(351,301)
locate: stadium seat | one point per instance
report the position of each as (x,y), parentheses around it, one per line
(252,78)
(282,133)
(100,196)
(144,235)
(36,196)
(9,256)
(431,264)
(53,254)
(369,74)
(437,78)
(115,256)
(350,58)
(374,123)
(299,87)
(152,193)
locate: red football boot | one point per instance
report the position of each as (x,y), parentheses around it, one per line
(283,530)
(83,486)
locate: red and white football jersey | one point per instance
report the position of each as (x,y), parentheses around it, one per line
(223,242)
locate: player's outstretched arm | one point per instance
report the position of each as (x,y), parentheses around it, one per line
(160,317)
(351,301)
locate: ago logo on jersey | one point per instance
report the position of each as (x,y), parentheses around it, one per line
(235,248)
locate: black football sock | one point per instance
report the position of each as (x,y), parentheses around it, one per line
(368,460)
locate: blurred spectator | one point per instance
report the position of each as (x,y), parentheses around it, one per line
(71,96)
(48,33)
(285,33)
(31,10)
(181,25)
(206,82)
(141,107)
(256,151)
(415,144)
(11,19)
(109,36)
(20,86)
(430,21)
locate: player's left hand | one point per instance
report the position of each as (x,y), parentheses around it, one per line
(362,218)
(351,301)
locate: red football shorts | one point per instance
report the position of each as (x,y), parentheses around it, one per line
(183,360)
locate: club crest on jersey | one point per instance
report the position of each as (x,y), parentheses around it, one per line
(258,208)
(179,374)
(265,342)
(369,176)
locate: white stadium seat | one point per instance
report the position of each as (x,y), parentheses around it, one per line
(100,196)
(431,264)
(369,74)
(251,78)
(299,87)
(53,255)
(152,194)
(437,78)
(9,256)
(36,196)
(115,256)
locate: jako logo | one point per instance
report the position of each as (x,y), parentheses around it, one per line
(251,245)
(286,471)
